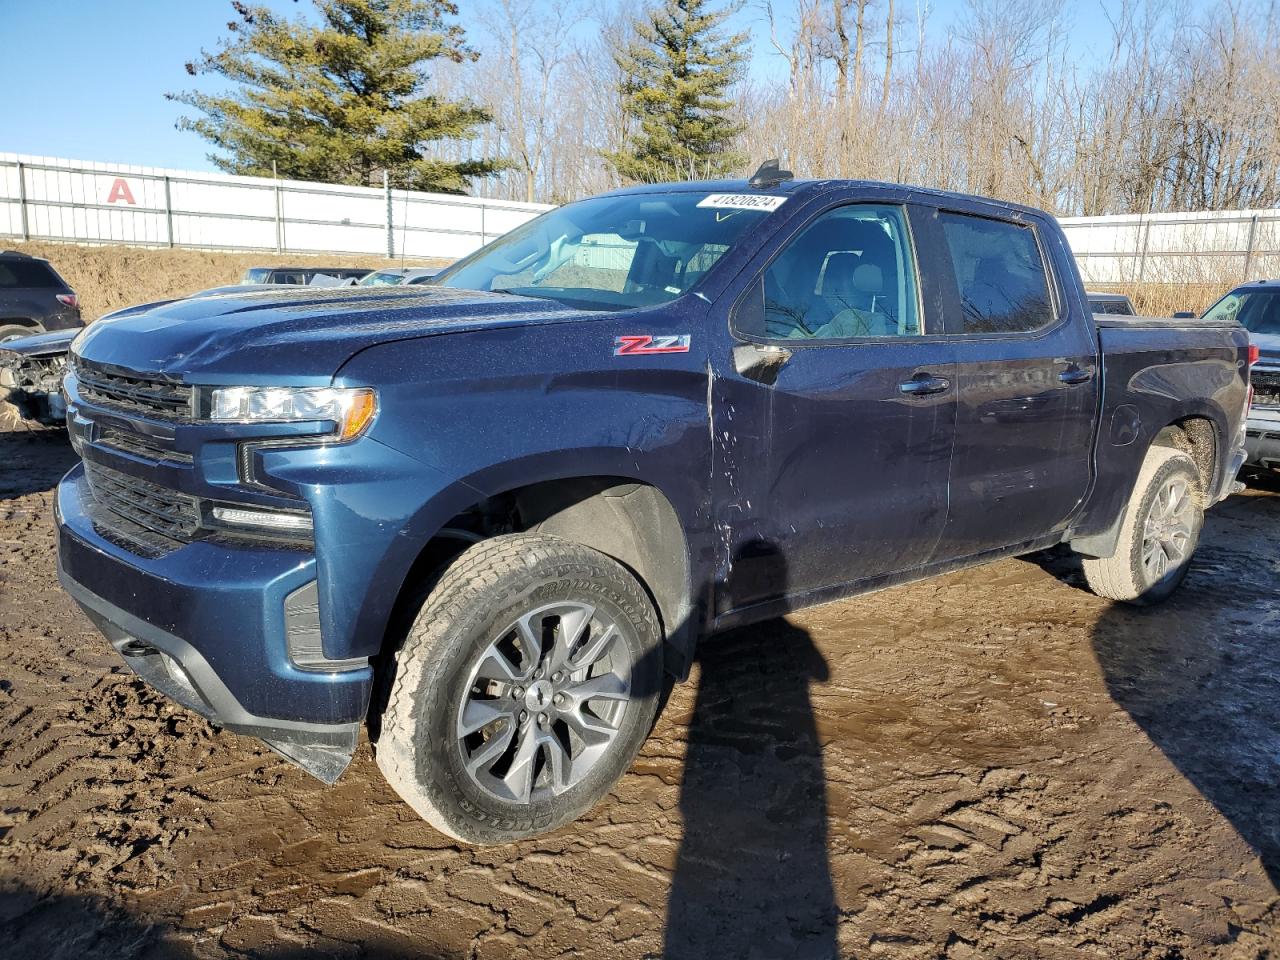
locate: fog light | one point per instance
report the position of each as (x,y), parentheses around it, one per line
(264,519)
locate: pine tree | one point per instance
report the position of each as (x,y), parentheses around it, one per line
(340,100)
(676,74)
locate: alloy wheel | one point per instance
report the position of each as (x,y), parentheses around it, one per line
(544,702)
(1167,533)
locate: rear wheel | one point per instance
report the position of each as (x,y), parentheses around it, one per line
(14,331)
(1158,535)
(527,684)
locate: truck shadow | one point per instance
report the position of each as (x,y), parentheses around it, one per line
(1200,674)
(752,876)
(67,926)
(33,461)
(1210,702)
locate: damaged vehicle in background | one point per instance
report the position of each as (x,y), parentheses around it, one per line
(491,518)
(31,367)
(31,372)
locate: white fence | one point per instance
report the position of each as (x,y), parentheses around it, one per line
(1220,247)
(46,198)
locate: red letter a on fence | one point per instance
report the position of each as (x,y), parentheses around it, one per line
(120,191)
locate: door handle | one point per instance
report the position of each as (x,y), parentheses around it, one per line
(923,384)
(1075,374)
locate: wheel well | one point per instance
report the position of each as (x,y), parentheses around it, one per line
(1197,437)
(634,523)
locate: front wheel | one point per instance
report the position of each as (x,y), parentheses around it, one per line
(1158,535)
(526,686)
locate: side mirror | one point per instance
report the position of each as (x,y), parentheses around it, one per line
(1184,315)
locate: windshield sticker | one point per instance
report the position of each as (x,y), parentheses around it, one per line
(642,343)
(742,201)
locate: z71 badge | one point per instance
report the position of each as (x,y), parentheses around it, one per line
(642,343)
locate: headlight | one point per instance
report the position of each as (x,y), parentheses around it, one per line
(350,409)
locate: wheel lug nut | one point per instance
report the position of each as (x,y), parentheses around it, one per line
(557,676)
(542,719)
(517,692)
(523,716)
(558,699)
(537,674)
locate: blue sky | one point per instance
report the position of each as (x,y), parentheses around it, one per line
(86,78)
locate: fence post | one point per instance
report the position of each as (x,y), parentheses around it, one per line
(279,210)
(22,201)
(1145,220)
(482,236)
(168,211)
(1248,250)
(391,231)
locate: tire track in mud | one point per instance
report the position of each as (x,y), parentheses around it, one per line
(994,764)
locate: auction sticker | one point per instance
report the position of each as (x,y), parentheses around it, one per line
(742,201)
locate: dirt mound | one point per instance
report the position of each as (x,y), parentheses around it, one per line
(108,278)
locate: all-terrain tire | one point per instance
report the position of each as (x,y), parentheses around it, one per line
(1124,576)
(479,597)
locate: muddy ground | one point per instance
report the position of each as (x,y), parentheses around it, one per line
(993,764)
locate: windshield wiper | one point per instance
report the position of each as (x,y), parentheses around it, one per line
(520,292)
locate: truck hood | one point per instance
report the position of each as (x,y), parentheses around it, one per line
(42,344)
(295,335)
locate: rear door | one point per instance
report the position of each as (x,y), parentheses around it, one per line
(832,412)
(1027,381)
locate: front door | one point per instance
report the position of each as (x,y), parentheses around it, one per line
(833,406)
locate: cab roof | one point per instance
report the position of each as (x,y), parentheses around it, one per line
(802,189)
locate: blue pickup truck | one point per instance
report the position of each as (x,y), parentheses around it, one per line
(489,519)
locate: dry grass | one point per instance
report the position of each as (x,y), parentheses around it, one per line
(108,278)
(1166,299)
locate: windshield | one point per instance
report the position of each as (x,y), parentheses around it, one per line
(382,279)
(1258,311)
(614,252)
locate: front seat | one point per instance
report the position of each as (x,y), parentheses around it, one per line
(854,292)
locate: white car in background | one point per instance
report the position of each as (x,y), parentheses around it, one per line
(395,276)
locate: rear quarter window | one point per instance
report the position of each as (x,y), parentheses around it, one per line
(28,274)
(1000,274)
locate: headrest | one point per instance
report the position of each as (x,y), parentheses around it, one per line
(837,275)
(868,278)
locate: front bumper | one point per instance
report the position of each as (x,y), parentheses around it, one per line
(207,626)
(1262,440)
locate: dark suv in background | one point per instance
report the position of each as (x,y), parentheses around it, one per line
(33,298)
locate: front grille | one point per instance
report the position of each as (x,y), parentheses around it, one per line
(136,394)
(141,446)
(1266,388)
(141,505)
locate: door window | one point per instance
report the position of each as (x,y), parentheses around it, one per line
(850,273)
(1000,274)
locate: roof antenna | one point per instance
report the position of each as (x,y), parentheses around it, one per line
(769,175)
